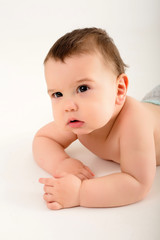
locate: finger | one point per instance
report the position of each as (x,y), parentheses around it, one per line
(81,176)
(47,181)
(48,189)
(86,174)
(89,170)
(48,197)
(54,206)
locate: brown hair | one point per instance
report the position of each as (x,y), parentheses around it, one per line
(87,40)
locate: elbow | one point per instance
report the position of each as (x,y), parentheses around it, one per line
(145,189)
(36,147)
(145,185)
(136,190)
(141,185)
(142,191)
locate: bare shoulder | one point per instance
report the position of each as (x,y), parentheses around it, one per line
(139,113)
(140,120)
(52,131)
(136,123)
(137,142)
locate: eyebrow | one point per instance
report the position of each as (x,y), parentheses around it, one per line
(79,81)
(50,90)
(85,80)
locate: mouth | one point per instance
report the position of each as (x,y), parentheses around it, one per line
(74,123)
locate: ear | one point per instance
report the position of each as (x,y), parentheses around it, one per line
(122,86)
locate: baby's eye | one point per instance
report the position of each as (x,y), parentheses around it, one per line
(82,88)
(57,95)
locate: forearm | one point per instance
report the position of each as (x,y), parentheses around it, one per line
(48,154)
(110,191)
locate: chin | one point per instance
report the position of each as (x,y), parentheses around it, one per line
(82,131)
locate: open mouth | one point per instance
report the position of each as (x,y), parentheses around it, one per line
(75,123)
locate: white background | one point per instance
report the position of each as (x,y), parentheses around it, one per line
(27,31)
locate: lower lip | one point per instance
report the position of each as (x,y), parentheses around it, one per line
(76,124)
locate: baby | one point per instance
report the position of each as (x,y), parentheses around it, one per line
(87,84)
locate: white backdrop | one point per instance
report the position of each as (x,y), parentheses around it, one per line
(27,31)
(29,28)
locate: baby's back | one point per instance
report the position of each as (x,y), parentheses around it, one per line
(154,111)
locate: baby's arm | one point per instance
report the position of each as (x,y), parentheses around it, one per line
(48,150)
(138,166)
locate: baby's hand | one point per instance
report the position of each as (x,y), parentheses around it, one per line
(61,192)
(75,167)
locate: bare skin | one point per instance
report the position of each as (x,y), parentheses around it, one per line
(105,149)
(123,130)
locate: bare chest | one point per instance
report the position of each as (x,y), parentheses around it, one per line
(105,149)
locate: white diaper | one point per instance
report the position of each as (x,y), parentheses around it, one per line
(153,96)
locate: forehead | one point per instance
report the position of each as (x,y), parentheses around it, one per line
(76,67)
(85,62)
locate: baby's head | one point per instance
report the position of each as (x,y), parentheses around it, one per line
(85,79)
(86,41)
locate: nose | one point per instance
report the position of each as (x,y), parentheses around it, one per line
(70,106)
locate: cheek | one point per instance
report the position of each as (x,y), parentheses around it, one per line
(56,113)
(100,112)
(103,114)
(53,111)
